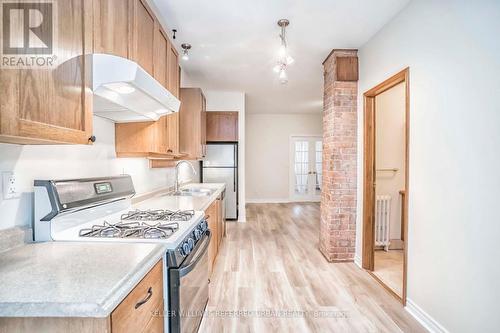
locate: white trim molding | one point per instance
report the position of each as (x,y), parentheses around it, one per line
(278,200)
(424,318)
(357,261)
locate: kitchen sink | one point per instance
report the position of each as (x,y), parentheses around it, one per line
(194,192)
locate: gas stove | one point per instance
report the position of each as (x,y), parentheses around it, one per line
(100,210)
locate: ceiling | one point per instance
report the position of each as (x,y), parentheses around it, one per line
(235,44)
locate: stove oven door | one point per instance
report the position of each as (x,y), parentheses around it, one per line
(188,294)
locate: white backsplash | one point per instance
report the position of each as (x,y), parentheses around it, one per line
(73,161)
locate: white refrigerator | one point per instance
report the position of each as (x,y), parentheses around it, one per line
(220,165)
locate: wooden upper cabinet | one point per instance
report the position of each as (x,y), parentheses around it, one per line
(143,36)
(167,134)
(192,123)
(53,105)
(135,139)
(153,51)
(173,133)
(222,126)
(152,139)
(160,65)
(203,126)
(173,71)
(112,27)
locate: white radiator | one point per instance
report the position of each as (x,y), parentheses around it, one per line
(382,220)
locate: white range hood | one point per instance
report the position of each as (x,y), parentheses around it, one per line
(125,92)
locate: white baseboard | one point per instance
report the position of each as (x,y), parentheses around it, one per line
(276,200)
(424,318)
(357,261)
(273,200)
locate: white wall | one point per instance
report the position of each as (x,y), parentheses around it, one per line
(453,51)
(390,151)
(268,150)
(233,101)
(72,161)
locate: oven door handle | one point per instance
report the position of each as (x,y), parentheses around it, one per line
(191,263)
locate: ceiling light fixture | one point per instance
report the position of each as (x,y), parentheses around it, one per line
(185,51)
(283,76)
(284,59)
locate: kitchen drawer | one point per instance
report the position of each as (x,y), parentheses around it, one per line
(211,216)
(132,317)
(155,325)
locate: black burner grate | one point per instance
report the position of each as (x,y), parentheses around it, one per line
(141,224)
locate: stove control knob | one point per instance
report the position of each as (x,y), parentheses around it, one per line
(203,226)
(185,249)
(190,242)
(197,234)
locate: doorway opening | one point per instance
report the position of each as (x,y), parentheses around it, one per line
(305,168)
(385,199)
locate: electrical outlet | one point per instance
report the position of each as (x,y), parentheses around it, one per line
(9,189)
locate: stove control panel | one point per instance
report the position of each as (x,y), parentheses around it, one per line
(197,234)
(177,256)
(190,241)
(203,226)
(187,247)
(103,188)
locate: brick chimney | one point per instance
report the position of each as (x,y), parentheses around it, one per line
(338,198)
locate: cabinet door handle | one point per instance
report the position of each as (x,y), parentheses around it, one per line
(140,303)
(207,217)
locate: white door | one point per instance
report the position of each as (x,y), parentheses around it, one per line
(305,168)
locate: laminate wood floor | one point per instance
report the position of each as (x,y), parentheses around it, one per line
(271,277)
(389,269)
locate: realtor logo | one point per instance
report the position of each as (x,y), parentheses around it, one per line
(27,29)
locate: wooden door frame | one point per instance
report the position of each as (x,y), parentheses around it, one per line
(368,261)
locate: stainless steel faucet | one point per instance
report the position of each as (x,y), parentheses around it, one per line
(176,184)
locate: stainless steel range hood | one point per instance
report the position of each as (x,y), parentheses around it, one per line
(125,92)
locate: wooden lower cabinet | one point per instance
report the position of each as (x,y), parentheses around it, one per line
(215,224)
(138,309)
(140,312)
(156,324)
(220,222)
(211,216)
(55,325)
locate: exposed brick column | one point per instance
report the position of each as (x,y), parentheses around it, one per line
(338,197)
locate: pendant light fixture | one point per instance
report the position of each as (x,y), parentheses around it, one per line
(185,51)
(284,59)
